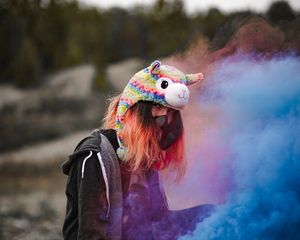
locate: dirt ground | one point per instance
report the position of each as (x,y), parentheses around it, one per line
(32,207)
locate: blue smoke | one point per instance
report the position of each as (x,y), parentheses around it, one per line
(260,109)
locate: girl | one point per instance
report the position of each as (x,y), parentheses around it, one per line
(113,191)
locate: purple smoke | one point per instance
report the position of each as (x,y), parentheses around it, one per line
(259,122)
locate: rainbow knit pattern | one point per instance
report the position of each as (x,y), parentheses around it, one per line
(144,86)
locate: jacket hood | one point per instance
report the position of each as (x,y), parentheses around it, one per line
(90,143)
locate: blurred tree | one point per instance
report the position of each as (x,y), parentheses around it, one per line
(11,33)
(168,28)
(224,33)
(57,18)
(214,19)
(126,36)
(38,36)
(287,20)
(26,65)
(280,11)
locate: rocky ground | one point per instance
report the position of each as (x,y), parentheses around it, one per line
(32,208)
(39,128)
(32,199)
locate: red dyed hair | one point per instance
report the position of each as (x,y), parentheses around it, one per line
(141,137)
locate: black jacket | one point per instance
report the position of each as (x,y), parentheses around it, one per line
(93,190)
(100,201)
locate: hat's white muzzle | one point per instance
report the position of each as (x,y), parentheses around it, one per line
(177,95)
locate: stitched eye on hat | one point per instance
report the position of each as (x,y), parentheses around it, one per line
(163,83)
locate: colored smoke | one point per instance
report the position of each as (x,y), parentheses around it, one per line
(258,127)
(243,132)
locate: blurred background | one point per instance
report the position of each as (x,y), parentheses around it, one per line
(60,61)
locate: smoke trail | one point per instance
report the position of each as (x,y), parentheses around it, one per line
(260,116)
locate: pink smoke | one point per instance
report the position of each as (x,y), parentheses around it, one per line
(206,148)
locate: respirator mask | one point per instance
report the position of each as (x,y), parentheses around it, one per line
(170,131)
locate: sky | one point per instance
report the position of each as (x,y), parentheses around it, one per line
(197,5)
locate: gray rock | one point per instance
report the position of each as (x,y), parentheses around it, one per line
(10,95)
(118,74)
(72,83)
(75,83)
(41,155)
(64,104)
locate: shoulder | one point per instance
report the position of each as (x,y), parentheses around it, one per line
(97,138)
(99,145)
(89,143)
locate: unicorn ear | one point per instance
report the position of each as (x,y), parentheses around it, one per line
(193,78)
(154,67)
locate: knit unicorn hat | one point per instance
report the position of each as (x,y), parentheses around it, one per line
(162,84)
